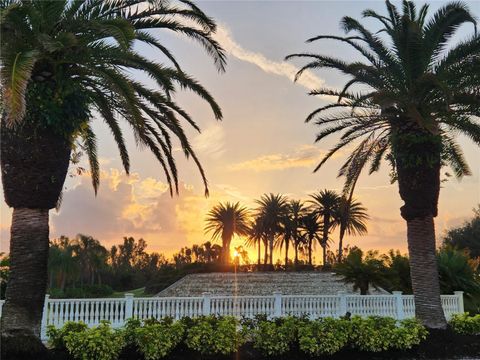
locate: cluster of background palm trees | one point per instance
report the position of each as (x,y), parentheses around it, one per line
(281,223)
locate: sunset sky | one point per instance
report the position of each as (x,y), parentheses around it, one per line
(261,146)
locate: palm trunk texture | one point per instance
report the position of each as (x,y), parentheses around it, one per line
(418,163)
(25,295)
(34,164)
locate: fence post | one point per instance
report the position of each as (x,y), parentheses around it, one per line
(43,326)
(206,303)
(460,307)
(342,310)
(128,306)
(277,307)
(399,305)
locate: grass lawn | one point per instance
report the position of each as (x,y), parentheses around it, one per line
(140,292)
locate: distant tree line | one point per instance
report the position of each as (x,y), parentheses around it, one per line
(82,267)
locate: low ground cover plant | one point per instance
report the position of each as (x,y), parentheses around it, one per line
(221,336)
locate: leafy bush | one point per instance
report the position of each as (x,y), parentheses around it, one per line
(156,340)
(56,337)
(465,324)
(323,336)
(409,333)
(373,333)
(275,337)
(210,335)
(129,331)
(100,343)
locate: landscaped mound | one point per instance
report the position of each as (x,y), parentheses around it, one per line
(259,338)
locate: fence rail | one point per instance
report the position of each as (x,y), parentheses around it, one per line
(117,310)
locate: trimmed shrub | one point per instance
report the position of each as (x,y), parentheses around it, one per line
(373,333)
(157,340)
(323,336)
(210,335)
(56,337)
(275,337)
(409,333)
(99,343)
(129,331)
(465,324)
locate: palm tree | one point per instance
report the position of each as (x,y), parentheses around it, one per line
(417,92)
(458,272)
(62,263)
(313,231)
(91,257)
(61,61)
(255,237)
(271,210)
(325,204)
(351,217)
(361,271)
(225,221)
(292,223)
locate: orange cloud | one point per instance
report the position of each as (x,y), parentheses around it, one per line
(305,156)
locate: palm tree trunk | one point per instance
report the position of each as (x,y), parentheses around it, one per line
(25,294)
(259,252)
(34,163)
(326,230)
(265,258)
(225,249)
(310,252)
(324,254)
(64,279)
(423,264)
(340,244)
(296,252)
(286,253)
(271,250)
(418,163)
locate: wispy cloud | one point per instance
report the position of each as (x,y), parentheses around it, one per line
(280,68)
(211,141)
(304,156)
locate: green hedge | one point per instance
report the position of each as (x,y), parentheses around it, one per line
(224,335)
(466,324)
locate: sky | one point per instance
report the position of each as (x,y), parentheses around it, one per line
(261,146)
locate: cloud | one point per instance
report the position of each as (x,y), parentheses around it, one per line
(211,141)
(304,156)
(138,207)
(280,68)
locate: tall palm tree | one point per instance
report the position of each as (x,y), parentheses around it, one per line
(225,221)
(313,231)
(255,237)
(271,210)
(61,62)
(325,204)
(351,217)
(296,210)
(418,91)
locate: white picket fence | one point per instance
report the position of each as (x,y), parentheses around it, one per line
(116,310)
